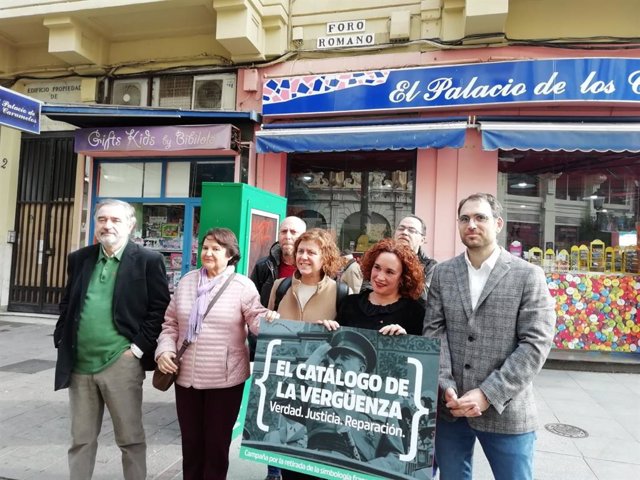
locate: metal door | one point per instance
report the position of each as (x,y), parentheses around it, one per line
(44,215)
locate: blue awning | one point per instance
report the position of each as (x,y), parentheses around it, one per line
(362,137)
(561,136)
(89,116)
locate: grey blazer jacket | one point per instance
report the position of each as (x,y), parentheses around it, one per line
(500,346)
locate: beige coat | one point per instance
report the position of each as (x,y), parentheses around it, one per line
(352,276)
(321,305)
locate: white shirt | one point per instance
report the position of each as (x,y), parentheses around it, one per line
(478,277)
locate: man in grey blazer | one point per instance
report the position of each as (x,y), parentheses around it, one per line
(495,318)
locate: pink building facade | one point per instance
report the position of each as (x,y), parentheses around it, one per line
(553,135)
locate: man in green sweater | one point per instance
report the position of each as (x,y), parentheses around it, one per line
(110,317)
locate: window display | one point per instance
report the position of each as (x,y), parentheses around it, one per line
(162,230)
(168,203)
(576,215)
(360,196)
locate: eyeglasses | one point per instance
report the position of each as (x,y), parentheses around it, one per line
(411,230)
(478,219)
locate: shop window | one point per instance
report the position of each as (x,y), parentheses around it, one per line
(170,227)
(162,229)
(152,179)
(565,237)
(177,183)
(569,187)
(218,171)
(527,234)
(184,179)
(129,179)
(120,179)
(359,196)
(523,185)
(581,228)
(580,200)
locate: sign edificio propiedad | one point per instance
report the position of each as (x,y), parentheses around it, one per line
(19,111)
(350,404)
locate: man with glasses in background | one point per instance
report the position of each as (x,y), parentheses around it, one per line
(411,231)
(495,318)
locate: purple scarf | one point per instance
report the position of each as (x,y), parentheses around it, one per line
(205,285)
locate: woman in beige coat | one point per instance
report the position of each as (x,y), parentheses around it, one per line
(312,296)
(313,291)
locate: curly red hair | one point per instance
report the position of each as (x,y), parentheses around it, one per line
(331,261)
(412,278)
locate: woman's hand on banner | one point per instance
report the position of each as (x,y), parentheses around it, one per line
(330,325)
(393,329)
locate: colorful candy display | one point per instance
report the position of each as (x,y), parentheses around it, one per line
(596,311)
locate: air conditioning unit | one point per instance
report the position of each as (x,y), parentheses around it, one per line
(214,92)
(132,92)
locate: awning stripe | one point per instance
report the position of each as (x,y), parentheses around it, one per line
(560,136)
(368,137)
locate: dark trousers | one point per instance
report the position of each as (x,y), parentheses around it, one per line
(206,420)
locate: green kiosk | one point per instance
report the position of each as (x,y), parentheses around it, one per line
(254,215)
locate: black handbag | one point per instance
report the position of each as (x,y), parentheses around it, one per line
(163,381)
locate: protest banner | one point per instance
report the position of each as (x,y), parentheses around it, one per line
(350,404)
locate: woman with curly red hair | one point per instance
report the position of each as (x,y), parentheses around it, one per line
(391,306)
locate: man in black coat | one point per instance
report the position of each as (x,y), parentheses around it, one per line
(411,231)
(281,261)
(110,317)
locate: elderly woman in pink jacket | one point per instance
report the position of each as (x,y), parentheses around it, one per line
(215,365)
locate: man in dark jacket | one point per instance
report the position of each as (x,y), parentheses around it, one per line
(280,262)
(411,231)
(110,317)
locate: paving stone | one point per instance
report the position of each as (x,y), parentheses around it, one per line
(34,421)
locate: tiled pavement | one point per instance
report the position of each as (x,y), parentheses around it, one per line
(34,420)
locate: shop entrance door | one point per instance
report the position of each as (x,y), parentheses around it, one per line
(43,224)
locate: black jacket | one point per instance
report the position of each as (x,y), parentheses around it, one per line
(265,273)
(429,264)
(140,298)
(357,311)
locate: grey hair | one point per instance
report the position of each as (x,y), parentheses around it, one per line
(128,208)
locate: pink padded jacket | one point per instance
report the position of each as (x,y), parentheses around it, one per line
(220,357)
